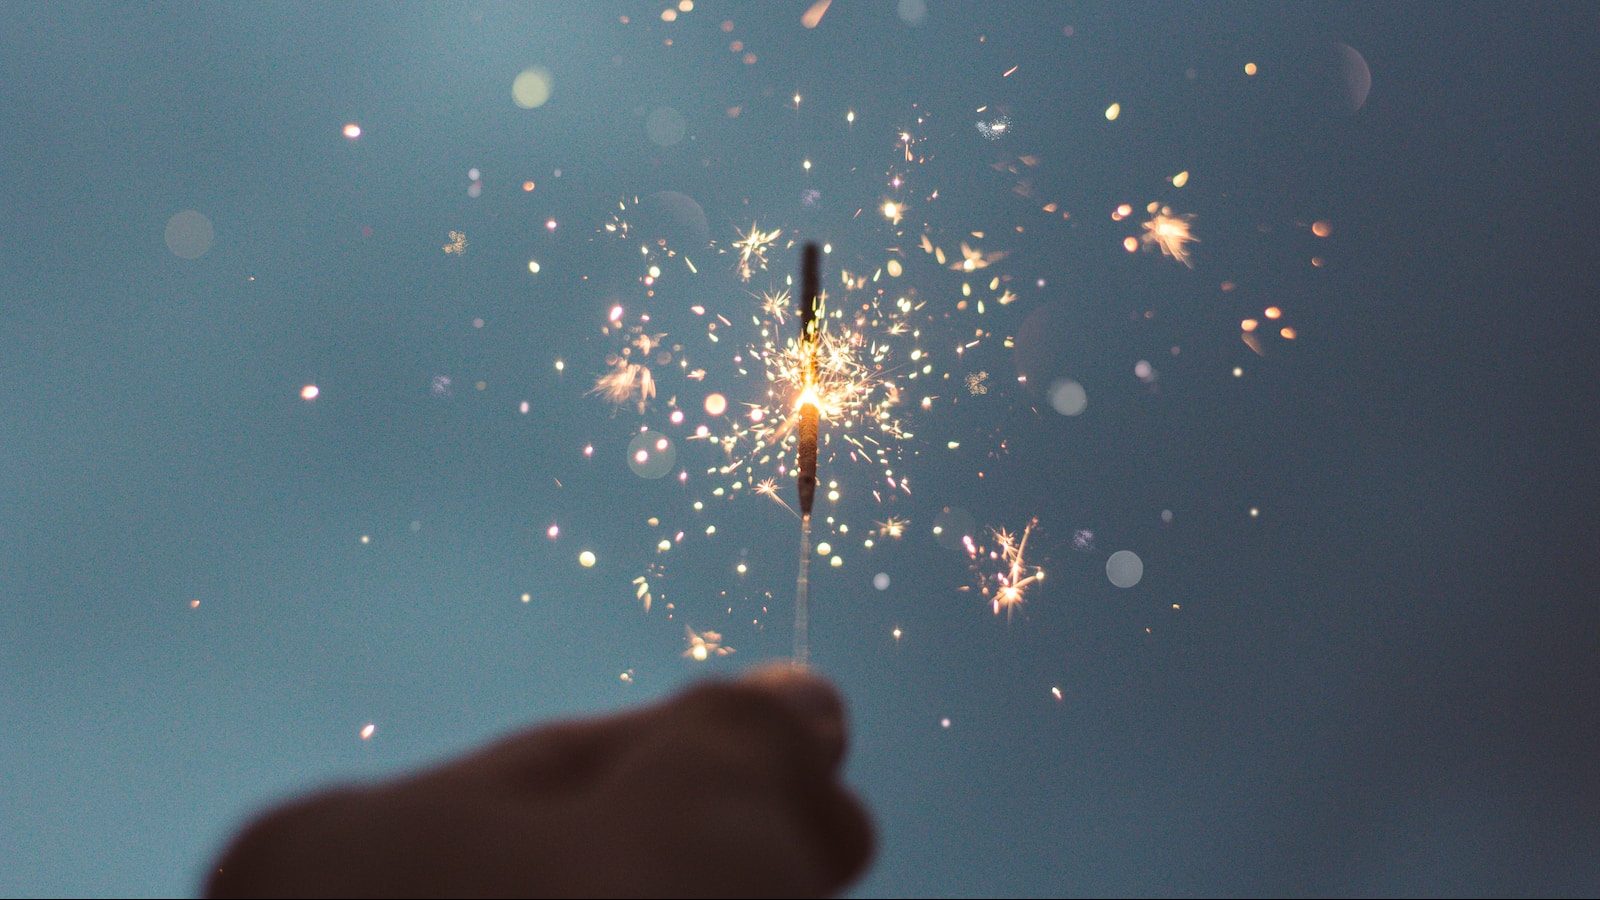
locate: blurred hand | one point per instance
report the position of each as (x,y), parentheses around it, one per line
(728,789)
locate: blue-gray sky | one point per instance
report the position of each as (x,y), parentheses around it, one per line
(1384,682)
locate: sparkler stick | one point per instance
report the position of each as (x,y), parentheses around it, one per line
(810,421)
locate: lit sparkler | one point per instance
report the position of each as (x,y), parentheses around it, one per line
(810,422)
(845,369)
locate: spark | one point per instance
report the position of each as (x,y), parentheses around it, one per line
(775,305)
(1171,234)
(752,247)
(626,381)
(893,527)
(813,16)
(768,487)
(629,380)
(641,592)
(996,128)
(973,259)
(1007,588)
(705,645)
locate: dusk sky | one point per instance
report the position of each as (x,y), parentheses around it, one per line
(1270,327)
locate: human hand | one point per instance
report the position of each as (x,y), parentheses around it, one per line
(729,789)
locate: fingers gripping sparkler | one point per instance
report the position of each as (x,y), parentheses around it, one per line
(810,421)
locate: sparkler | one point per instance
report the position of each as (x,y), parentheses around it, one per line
(810,421)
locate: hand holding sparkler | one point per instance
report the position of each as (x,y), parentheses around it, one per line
(730,789)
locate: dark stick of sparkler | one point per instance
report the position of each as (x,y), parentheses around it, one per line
(810,421)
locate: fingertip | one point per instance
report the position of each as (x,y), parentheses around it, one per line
(798,715)
(805,692)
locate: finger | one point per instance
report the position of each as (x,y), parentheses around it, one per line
(561,753)
(780,715)
(767,842)
(780,712)
(842,833)
(814,700)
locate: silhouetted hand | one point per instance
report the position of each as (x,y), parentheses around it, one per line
(728,789)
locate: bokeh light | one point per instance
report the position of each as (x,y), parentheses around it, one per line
(1125,569)
(1068,397)
(651,455)
(665,126)
(189,234)
(531,88)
